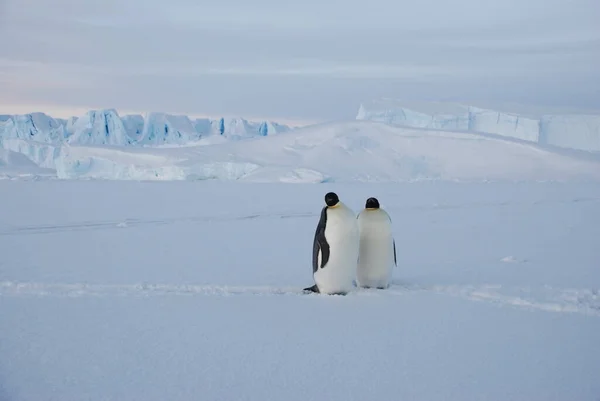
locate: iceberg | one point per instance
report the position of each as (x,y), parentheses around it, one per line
(162,129)
(571,131)
(40,153)
(38,127)
(40,136)
(99,127)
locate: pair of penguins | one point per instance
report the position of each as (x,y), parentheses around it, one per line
(348,247)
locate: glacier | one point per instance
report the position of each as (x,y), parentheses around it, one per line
(570,131)
(40,136)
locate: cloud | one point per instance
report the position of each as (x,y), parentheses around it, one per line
(213,58)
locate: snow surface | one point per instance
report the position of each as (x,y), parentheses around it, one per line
(340,152)
(189,290)
(574,131)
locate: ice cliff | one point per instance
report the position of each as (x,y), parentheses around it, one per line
(40,137)
(573,131)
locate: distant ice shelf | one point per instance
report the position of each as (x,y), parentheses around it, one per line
(40,136)
(106,127)
(388,145)
(355,151)
(571,131)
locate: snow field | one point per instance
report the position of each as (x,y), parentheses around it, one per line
(190,290)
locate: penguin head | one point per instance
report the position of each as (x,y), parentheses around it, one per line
(331,199)
(372,203)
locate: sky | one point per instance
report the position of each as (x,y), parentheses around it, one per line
(300,61)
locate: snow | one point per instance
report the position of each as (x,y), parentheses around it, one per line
(335,152)
(573,131)
(14,165)
(189,290)
(40,153)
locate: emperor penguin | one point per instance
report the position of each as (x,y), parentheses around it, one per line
(377,248)
(335,248)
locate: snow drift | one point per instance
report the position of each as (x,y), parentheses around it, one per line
(343,152)
(17,165)
(574,131)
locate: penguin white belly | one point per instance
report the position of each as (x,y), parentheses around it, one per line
(342,235)
(376,250)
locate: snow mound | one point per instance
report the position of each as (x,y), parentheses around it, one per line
(136,164)
(574,131)
(17,165)
(344,152)
(40,153)
(114,164)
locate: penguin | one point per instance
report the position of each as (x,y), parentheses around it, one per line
(377,247)
(335,248)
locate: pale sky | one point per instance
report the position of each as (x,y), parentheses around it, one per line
(309,60)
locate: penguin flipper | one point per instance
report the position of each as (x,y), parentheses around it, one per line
(320,245)
(395,263)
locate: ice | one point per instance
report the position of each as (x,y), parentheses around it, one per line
(238,128)
(40,153)
(190,290)
(38,127)
(573,131)
(134,125)
(99,127)
(106,128)
(161,128)
(341,152)
(499,123)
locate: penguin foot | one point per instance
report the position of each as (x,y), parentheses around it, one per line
(314,289)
